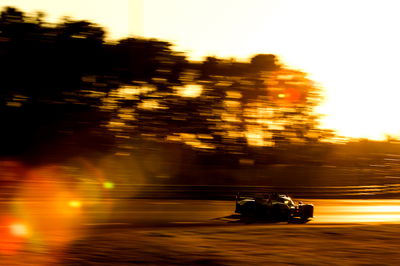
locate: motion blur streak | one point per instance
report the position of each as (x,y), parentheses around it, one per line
(357,211)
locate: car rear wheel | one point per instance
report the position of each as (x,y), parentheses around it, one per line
(280,212)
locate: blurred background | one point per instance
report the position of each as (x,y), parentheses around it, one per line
(138,111)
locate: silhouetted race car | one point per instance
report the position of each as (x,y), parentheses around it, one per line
(273,206)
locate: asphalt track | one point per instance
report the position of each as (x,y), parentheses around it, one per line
(154,213)
(163,232)
(121,213)
(166,212)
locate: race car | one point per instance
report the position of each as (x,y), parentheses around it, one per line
(273,206)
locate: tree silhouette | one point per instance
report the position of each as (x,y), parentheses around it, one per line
(263,62)
(64,87)
(41,87)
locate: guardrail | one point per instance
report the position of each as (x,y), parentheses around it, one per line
(128,190)
(229,192)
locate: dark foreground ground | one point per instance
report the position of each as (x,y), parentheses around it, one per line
(230,245)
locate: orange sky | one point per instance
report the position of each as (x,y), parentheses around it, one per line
(349,46)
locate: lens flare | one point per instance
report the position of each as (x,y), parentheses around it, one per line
(19,229)
(108,185)
(75,204)
(13,235)
(49,203)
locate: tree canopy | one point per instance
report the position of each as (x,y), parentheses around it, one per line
(64,87)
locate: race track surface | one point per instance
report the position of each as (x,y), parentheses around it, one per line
(194,232)
(208,212)
(154,213)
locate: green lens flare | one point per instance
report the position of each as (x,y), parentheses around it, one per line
(108,185)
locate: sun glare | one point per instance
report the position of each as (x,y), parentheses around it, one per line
(354,59)
(348,47)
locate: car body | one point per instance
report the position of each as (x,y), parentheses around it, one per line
(273,206)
